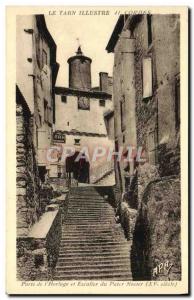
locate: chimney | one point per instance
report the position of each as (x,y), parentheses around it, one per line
(103,76)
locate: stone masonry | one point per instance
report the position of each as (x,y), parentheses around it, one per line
(28,183)
(157,232)
(150,89)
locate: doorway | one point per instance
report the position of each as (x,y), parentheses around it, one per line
(78,170)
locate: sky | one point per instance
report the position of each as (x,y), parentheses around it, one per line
(93,33)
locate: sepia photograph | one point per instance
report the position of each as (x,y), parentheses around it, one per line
(99,198)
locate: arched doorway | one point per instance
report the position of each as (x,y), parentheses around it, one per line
(80,170)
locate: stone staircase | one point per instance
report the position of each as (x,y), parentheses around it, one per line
(93,246)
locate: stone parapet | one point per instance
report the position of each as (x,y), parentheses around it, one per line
(37,253)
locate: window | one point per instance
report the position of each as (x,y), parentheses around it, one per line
(147,77)
(123,138)
(49,116)
(102,102)
(64,99)
(122,111)
(45,111)
(151,146)
(44,58)
(40,120)
(36,137)
(38,49)
(149,23)
(77,141)
(177,101)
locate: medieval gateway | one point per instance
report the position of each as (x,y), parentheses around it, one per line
(115,216)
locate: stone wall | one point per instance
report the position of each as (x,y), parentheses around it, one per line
(37,255)
(169,158)
(146,174)
(27,180)
(156,242)
(123,212)
(32,195)
(157,127)
(127,218)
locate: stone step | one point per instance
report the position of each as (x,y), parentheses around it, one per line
(88,209)
(74,221)
(85,204)
(85,239)
(89,244)
(86,194)
(91,230)
(122,276)
(107,239)
(95,250)
(96,256)
(91,207)
(81,219)
(94,261)
(97,205)
(90,214)
(91,271)
(90,218)
(92,252)
(86,197)
(91,235)
(91,227)
(93,268)
(74,238)
(83,189)
(77,229)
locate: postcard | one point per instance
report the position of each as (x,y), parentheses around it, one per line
(97,150)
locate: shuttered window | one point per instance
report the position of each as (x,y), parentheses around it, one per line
(151,146)
(147,77)
(122,111)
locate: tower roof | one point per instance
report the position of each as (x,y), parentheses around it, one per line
(79,54)
(79,51)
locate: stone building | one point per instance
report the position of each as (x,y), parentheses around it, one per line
(35,79)
(36,75)
(79,120)
(146,97)
(146,89)
(38,224)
